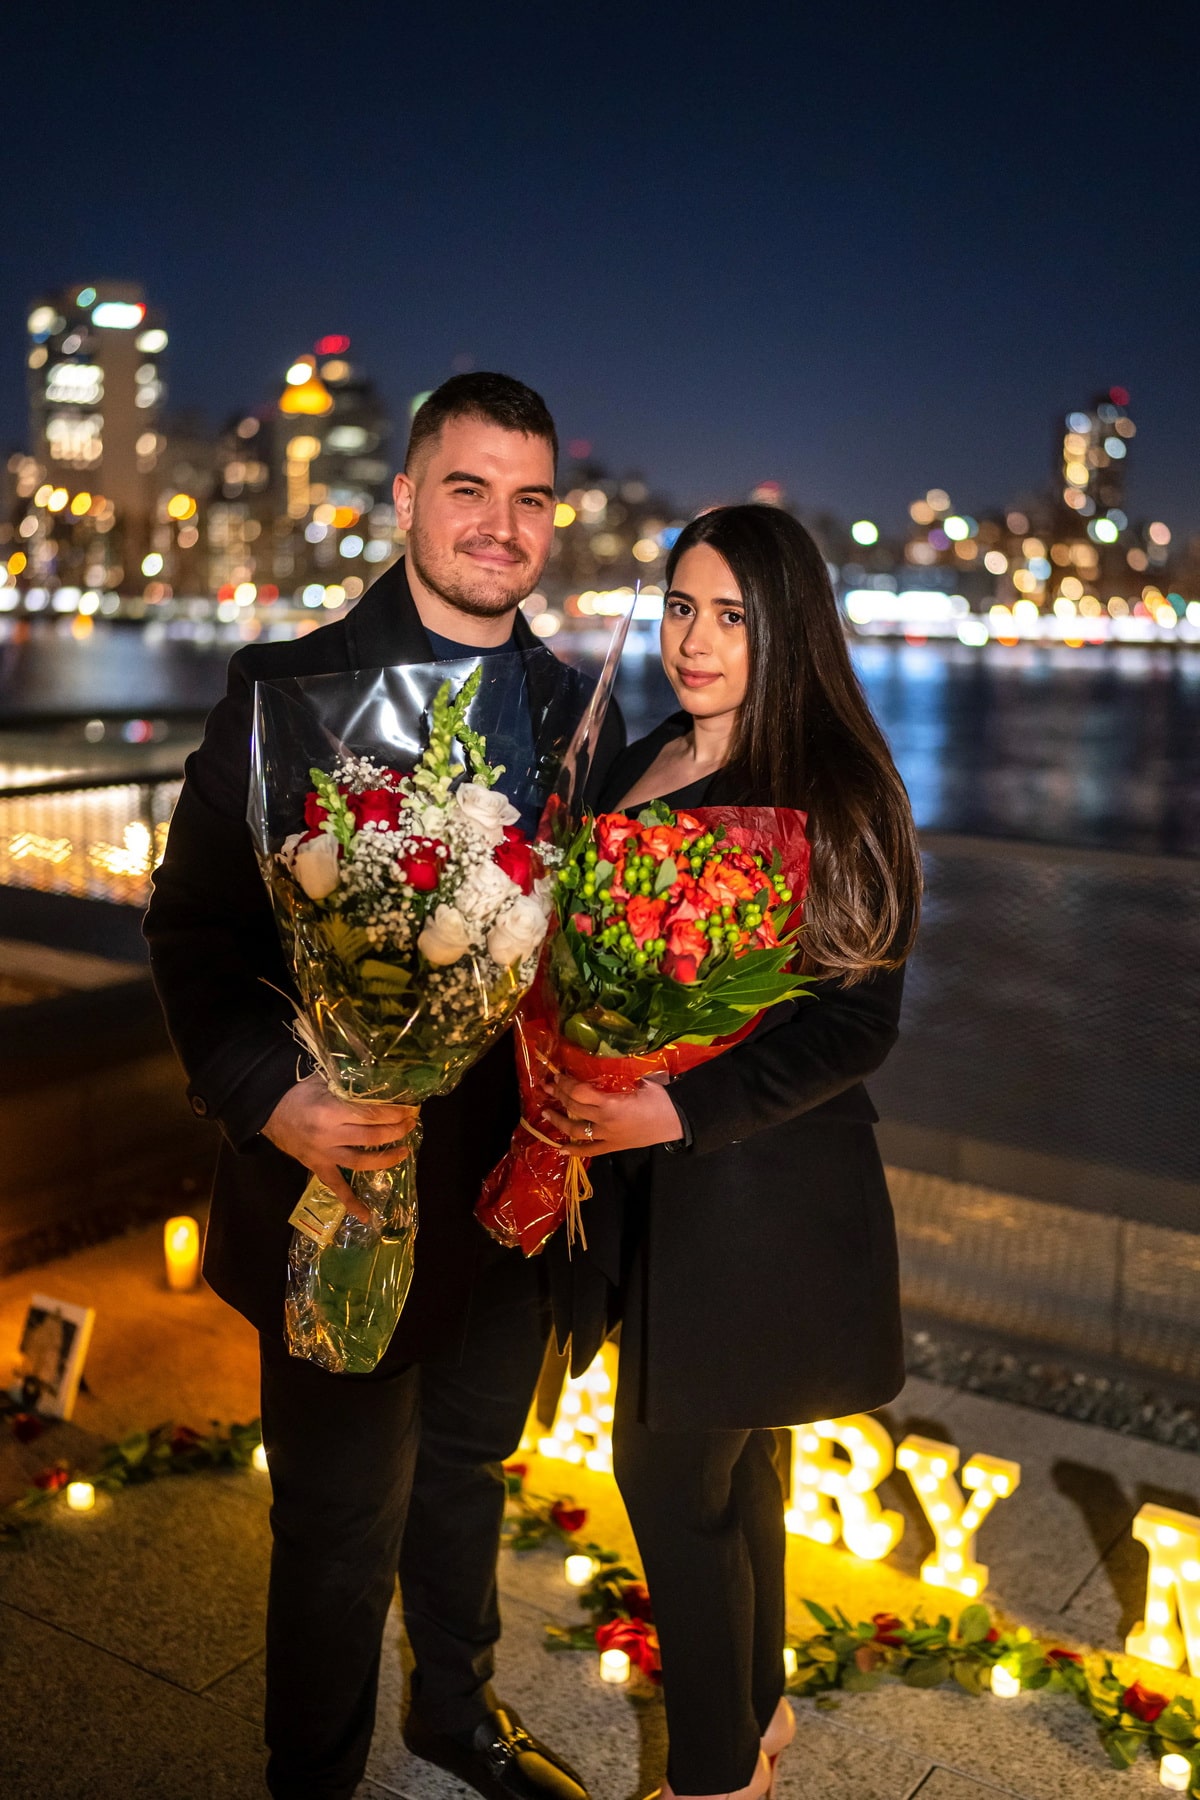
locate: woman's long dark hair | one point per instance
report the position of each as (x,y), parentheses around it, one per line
(805,736)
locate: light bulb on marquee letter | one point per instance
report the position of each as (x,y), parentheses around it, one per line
(930,1467)
(832,1497)
(1170,1630)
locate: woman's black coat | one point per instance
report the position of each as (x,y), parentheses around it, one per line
(771,1289)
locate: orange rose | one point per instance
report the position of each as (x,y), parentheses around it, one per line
(644,918)
(611,831)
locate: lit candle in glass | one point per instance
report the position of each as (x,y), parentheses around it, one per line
(81,1496)
(181,1247)
(614,1666)
(1175,1772)
(1004,1684)
(789,1661)
(259,1458)
(578,1570)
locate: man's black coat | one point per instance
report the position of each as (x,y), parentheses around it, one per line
(214,949)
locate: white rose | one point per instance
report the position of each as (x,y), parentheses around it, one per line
(517,932)
(486,889)
(487,808)
(315,865)
(445,937)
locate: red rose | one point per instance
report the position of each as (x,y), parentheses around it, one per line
(25,1427)
(582,923)
(689,822)
(687,947)
(1143,1703)
(376,806)
(644,918)
(635,1596)
(887,1625)
(422,866)
(687,901)
(638,1640)
(517,1470)
(993,1636)
(51,1480)
(1064,1656)
(568,1518)
(611,831)
(315,812)
(183,1438)
(515,856)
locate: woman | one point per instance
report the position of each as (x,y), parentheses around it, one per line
(741,1227)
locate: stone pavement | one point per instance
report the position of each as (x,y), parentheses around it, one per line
(131,1637)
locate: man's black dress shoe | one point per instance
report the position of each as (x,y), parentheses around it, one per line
(500,1760)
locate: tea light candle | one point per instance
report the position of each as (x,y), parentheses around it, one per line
(81,1496)
(578,1570)
(1005,1685)
(614,1666)
(259,1458)
(789,1661)
(181,1247)
(1175,1772)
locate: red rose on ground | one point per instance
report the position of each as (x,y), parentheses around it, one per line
(518,1470)
(636,1597)
(1143,1703)
(612,829)
(644,918)
(582,923)
(568,1518)
(26,1427)
(51,1480)
(637,1639)
(422,866)
(886,1627)
(515,856)
(687,947)
(183,1438)
(1064,1656)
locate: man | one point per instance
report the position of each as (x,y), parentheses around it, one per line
(398,1469)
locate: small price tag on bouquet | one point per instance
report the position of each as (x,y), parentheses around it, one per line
(317,1214)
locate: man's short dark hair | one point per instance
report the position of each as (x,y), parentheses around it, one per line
(482,395)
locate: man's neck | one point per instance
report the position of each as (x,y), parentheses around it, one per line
(451,622)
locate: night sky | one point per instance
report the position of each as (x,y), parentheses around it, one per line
(860,250)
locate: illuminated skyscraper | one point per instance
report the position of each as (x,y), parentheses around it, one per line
(95,394)
(1091,465)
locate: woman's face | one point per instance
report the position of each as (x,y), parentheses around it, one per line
(703,638)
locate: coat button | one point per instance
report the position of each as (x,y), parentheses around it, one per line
(199,1106)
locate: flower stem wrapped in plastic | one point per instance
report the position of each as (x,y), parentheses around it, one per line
(412,906)
(674,932)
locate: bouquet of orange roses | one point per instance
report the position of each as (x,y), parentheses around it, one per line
(672,933)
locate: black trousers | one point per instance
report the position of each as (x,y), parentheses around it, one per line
(707,1511)
(373,1475)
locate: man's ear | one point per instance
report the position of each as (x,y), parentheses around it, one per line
(402,499)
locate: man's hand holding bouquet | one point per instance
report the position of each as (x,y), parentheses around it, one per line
(673,933)
(413,910)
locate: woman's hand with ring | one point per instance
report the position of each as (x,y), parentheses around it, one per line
(594,1123)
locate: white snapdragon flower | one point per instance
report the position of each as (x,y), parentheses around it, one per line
(315,865)
(487,808)
(486,889)
(517,932)
(445,937)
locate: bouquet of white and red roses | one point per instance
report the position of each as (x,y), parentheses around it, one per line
(412,908)
(674,933)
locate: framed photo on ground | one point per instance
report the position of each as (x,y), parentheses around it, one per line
(54,1342)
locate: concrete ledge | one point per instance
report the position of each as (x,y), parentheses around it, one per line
(1054,1274)
(1064,1181)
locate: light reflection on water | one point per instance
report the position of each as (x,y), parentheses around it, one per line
(1086,747)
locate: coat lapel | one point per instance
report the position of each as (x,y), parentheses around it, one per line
(385,628)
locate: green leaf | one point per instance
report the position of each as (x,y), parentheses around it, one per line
(604,872)
(974,1623)
(858,1681)
(668,875)
(825,1620)
(926,1672)
(973,1676)
(1122,1747)
(347,942)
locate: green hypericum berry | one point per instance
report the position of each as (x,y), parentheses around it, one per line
(625,942)
(589,855)
(640,959)
(785,893)
(606,895)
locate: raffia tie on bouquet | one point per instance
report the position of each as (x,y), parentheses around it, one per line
(577,1186)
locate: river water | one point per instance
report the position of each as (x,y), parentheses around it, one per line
(1088,747)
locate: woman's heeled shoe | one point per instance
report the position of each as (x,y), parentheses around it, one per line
(777,1737)
(758,1788)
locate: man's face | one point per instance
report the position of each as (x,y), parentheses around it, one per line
(478,507)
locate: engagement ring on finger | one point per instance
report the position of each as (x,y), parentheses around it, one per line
(589,1131)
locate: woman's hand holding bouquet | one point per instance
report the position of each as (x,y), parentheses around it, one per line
(674,933)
